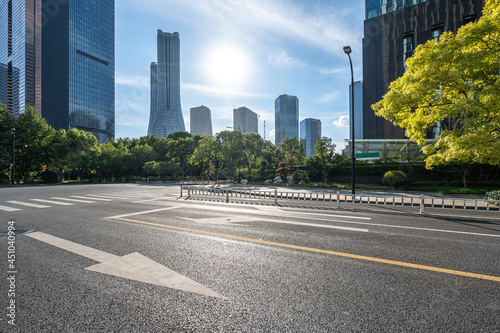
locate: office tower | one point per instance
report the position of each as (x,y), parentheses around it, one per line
(286,118)
(358,109)
(201,120)
(78,66)
(310,133)
(166,113)
(20,55)
(392,30)
(245,120)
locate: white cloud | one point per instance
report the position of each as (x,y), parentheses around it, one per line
(211,90)
(283,59)
(133,81)
(343,121)
(327,98)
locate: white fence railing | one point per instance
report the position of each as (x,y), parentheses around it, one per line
(339,198)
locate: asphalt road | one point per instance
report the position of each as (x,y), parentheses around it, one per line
(137,258)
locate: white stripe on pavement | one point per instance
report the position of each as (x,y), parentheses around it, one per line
(9,209)
(73,200)
(27,204)
(87,197)
(54,202)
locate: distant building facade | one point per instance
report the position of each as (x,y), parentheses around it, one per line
(245,120)
(392,30)
(310,133)
(200,121)
(286,118)
(358,109)
(20,55)
(166,113)
(78,66)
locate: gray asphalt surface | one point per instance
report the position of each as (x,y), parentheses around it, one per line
(280,268)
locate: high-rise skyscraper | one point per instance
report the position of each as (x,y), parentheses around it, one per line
(310,133)
(166,113)
(201,120)
(392,30)
(358,109)
(20,54)
(78,66)
(245,120)
(286,118)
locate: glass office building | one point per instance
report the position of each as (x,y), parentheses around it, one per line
(286,118)
(358,109)
(78,66)
(20,54)
(201,120)
(392,31)
(310,133)
(166,113)
(245,120)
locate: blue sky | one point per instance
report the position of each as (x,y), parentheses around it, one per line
(268,48)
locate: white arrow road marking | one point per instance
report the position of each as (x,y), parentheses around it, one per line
(132,266)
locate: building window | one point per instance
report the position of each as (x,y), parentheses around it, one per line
(408,41)
(9,27)
(469,19)
(436,32)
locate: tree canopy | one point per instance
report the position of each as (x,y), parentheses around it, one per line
(455,79)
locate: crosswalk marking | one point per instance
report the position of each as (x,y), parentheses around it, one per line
(54,202)
(9,209)
(87,197)
(27,204)
(73,200)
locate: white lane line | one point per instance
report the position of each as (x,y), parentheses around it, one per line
(326,219)
(316,214)
(87,197)
(27,204)
(9,209)
(143,212)
(73,200)
(147,200)
(247,219)
(54,202)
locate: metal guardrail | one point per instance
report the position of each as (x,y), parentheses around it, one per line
(418,201)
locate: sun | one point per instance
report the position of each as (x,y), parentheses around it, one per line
(228,67)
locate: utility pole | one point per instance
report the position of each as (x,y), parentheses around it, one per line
(13,131)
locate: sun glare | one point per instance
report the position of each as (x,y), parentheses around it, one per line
(228,67)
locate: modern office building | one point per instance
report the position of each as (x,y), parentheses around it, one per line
(286,118)
(201,120)
(166,113)
(358,109)
(392,30)
(245,120)
(78,66)
(310,133)
(20,55)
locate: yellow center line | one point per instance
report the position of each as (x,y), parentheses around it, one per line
(339,254)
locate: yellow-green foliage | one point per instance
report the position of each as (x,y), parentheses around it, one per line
(457,77)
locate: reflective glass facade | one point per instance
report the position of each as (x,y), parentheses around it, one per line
(286,118)
(245,120)
(310,133)
(201,121)
(20,54)
(358,109)
(380,7)
(79,66)
(166,116)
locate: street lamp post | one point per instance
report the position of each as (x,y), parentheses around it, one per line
(13,132)
(348,50)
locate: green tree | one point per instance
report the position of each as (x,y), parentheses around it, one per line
(252,150)
(83,153)
(204,154)
(293,150)
(35,134)
(456,78)
(6,122)
(324,158)
(230,144)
